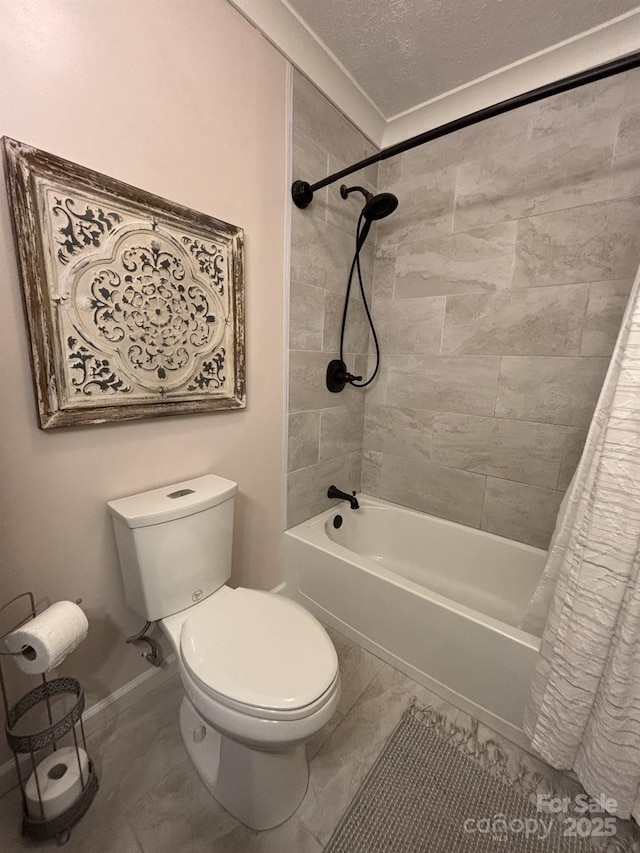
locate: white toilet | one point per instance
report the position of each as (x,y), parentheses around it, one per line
(259,672)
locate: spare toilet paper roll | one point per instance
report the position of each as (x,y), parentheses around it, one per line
(47,640)
(59,780)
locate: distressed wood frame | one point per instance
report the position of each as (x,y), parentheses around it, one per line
(26,169)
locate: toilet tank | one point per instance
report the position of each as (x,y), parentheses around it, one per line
(174,544)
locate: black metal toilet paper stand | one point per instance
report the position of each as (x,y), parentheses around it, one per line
(62,702)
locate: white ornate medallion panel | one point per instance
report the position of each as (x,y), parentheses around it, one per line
(134,303)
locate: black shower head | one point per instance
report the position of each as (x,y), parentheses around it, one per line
(376,206)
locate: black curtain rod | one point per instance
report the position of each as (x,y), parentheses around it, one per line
(302,191)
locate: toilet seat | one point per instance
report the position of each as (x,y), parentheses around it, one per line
(260,654)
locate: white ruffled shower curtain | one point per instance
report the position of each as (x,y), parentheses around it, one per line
(584,710)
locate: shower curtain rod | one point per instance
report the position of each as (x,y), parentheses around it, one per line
(302,192)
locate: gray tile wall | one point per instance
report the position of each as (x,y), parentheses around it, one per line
(499,286)
(325,429)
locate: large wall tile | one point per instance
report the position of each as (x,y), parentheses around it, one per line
(320,253)
(410,325)
(571,453)
(625,169)
(424,202)
(402,432)
(536,321)
(307,488)
(384,271)
(547,174)
(607,303)
(318,119)
(306,314)
(443,383)
(307,382)
(628,139)
(371,472)
(308,159)
(552,390)
(597,242)
(356,337)
(470,143)
(513,450)
(304,439)
(440,491)
(341,430)
(568,110)
(477,260)
(524,513)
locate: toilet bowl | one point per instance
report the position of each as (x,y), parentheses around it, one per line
(261,678)
(260,673)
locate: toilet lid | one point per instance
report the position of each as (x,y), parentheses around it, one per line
(259,649)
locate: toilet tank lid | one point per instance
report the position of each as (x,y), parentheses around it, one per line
(171,502)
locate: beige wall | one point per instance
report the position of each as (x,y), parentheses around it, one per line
(184,99)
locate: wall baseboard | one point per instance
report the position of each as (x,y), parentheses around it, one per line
(104,710)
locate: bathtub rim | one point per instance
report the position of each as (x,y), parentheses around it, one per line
(314,528)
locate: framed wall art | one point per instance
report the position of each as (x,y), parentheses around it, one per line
(134,304)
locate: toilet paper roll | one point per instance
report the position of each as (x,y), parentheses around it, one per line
(59,780)
(47,639)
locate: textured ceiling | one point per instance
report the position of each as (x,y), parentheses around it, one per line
(405,52)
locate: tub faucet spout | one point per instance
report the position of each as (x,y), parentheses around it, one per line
(336,493)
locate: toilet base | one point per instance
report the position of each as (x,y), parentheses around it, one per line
(260,788)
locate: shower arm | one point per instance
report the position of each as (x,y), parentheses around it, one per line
(302,192)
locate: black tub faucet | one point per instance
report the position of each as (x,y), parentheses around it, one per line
(336,493)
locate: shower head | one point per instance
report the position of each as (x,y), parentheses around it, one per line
(376,206)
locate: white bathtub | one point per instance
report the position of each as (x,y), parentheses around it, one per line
(438,600)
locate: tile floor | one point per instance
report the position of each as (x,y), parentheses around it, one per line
(151,800)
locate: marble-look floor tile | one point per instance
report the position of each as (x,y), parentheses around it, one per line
(358,668)
(179,813)
(341,765)
(534,321)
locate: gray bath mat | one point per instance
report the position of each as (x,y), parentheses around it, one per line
(424,795)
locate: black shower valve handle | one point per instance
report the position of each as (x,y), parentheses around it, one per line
(338,375)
